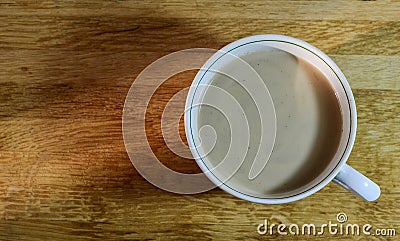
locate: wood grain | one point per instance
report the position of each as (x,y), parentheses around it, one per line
(67,66)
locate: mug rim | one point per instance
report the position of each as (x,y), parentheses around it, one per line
(272,38)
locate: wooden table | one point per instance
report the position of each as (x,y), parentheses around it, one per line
(66,68)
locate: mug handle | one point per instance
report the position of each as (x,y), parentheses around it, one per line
(355,182)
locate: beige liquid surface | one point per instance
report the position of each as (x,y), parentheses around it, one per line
(308,124)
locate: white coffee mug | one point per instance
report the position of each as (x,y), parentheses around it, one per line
(337,170)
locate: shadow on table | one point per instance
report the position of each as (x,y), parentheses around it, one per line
(88,78)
